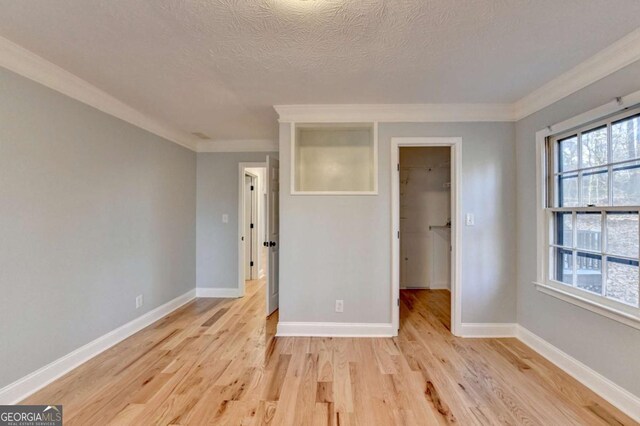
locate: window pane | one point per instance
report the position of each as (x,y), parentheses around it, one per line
(564,229)
(595,188)
(625,139)
(589,230)
(622,234)
(568,190)
(564,266)
(626,184)
(594,147)
(589,272)
(568,151)
(622,280)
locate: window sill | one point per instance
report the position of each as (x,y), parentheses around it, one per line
(590,305)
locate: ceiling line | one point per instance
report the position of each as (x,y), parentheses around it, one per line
(27,64)
(621,53)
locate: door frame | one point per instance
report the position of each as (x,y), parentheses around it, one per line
(241,249)
(455,144)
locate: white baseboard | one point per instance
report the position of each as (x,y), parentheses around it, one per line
(228,293)
(621,398)
(488,330)
(439,285)
(22,388)
(335,329)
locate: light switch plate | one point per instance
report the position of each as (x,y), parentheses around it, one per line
(225,218)
(470,219)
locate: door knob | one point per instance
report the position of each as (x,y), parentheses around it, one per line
(272,243)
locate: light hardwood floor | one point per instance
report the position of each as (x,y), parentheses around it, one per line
(217,361)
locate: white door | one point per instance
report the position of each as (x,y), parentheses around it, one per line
(273,232)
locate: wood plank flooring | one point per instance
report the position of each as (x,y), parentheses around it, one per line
(216,361)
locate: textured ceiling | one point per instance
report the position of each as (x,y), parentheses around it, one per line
(217,66)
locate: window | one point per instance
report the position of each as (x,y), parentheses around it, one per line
(592,211)
(334,159)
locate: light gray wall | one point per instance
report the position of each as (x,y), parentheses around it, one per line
(605,345)
(217,242)
(93,211)
(339,247)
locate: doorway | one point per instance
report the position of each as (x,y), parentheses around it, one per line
(425,216)
(251,226)
(258,230)
(252,255)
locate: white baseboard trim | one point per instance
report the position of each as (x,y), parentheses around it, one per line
(225,293)
(22,388)
(621,398)
(334,329)
(439,285)
(488,330)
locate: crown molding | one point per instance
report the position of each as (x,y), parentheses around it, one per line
(27,64)
(609,60)
(620,54)
(239,145)
(395,113)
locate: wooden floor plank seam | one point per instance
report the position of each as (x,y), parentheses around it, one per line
(217,361)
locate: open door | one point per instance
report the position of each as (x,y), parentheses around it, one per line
(273,232)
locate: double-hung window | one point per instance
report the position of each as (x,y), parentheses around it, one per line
(592,211)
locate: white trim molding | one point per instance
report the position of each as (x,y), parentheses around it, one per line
(455,143)
(590,305)
(27,64)
(334,329)
(222,293)
(618,55)
(374,162)
(543,283)
(394,113)
(621,398)
(22,388)
(488,330)
(239,145)
(242,169)
(609,60)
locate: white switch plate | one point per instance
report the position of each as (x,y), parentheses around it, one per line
(339,305)
(470,219)
(139,301)
(225,218)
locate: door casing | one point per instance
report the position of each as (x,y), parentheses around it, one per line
(455,143)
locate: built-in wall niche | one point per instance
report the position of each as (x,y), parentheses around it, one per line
(334,159)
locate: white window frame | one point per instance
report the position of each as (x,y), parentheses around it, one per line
(618,311)
(292,176)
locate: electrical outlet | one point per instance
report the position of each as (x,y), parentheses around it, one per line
(225,218)
(470,219)
(139,301)
(339,305)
